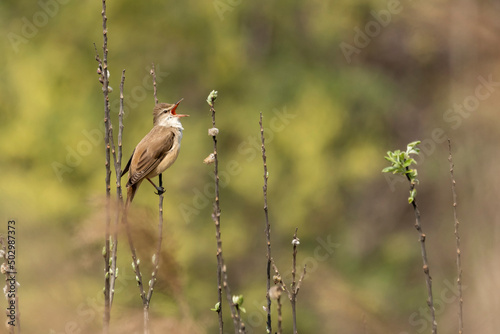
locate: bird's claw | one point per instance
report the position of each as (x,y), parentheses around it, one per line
(160,191)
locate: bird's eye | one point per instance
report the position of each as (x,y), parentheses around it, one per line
(165,111)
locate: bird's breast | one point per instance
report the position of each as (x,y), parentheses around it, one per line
(171,155)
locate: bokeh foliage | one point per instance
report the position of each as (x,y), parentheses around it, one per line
(328,121)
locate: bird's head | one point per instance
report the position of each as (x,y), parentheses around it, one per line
(165,114)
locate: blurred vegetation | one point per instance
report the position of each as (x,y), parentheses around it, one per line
(329,123)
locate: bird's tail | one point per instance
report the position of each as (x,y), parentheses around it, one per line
(131,190)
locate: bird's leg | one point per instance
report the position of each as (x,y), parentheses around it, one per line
(160,190)
(160,179)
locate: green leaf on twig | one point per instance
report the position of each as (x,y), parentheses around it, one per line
(413,193)
(238,302)
(216,308)
(401,163)
(211,98)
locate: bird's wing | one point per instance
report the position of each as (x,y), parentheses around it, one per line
(150,152)
(128,165)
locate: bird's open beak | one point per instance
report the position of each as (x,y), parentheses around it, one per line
(175,107)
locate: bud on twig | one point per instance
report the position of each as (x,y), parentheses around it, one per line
(212,132)
(211,98)
(275,292)
(210,159)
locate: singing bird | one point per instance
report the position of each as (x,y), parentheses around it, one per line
(157,151)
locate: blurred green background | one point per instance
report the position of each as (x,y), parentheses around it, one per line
(339,83)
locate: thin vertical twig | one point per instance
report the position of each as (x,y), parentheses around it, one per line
(294,270)
(400,164)
(428,278)
(282,287)
(111,242)
(153,73)
(156,257)
(280,317)
(216,219)
(278,280)
(135,261)
(147,295)
(137,271)
(136,268)
(222,279)
(241,326)
(121,126)
(117,156)
(275,293)
(299,283)
(295,285)
(268,227)
(457,237)
(103,67)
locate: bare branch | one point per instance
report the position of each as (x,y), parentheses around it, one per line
(278,279)
(119,196)
(295,242)
(135,260)
(457,237)
(103,71)
(153,73)
(268,227)
(428,278)
(156,259)
(280,317)
(295,286)
(300,280)
(222,279)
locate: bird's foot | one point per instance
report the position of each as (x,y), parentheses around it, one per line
(160,191)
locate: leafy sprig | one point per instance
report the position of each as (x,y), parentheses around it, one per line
(401,163)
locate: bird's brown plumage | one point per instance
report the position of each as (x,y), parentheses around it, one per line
(157,151)
(150,152)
